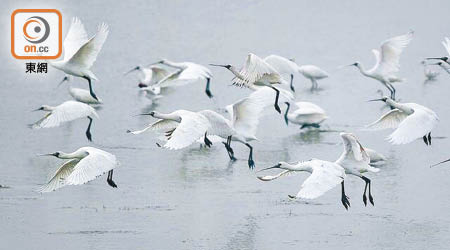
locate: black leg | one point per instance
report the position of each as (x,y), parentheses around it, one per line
(425,139)
(277,108)
(208,143)
(229,149)
(251,163)
(207,90)
(90,88)
(429,138)
(292,83)
(109,179)
(88,130)
(344,198)
(368,183)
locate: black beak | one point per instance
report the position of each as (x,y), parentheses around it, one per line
(437,58)
(218,65)
(375,100)
(439,163)
(63,80)
(276,166)
(52,154)
(151,113)
(34,110)
(133,69)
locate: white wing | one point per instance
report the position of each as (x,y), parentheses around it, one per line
(87,54)
(158,126)
(247,111)
(389,120)
(67,111)
(75,38)
(218,124)
(282,65)
(325,176)
(256,70)
(354,149)
(158,73)
(191,128)
(377,55)
(306,108)
(415,126)
(59,178)
(446,44)
(312,71)
(390,53)
(97,163)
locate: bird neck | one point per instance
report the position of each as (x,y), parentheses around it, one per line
(235,72)
(301,166)
(400,106)
(362,69)
(171,117)
(286,113)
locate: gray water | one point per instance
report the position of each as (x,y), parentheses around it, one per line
(194,198)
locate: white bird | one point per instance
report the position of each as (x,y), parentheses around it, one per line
(375,157)
(182,128)
(325,175)
(149,75)
(283,66)
(256,72)
(306,115)
(355,161)
(313,73)
(81,95)
(85,164)
(80,52)
(242,124)
(446,44)
(65,112)
(429,73)
(387,61)
(185,73)
(412,121)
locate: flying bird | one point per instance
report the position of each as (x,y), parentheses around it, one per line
(185,73)
(446,44)
(256,72)
(84,165)
(355,161)
(410,120)
(81,95)
(80,52)
(181,128)
(387,61)
(65,112)
(306,115)
(149,75)
(325,175)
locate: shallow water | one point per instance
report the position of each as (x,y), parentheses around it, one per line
(194,198)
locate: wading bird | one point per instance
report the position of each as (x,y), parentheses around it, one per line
(65,112)
(306,115)
(185,73)
(387,61)
(256,72)
(81,95)
(149,75)
(84,165)
(313,73)
(283,66)
(412,121)
(181,128)
(80,52)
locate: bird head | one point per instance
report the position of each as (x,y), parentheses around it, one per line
(56,154)
(66,78)
(152,113)
(444,58)
(227,66)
